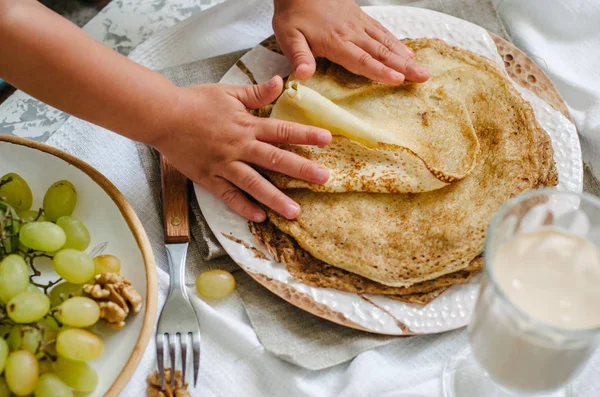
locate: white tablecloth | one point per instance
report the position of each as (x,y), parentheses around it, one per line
(563,37)
(233,361)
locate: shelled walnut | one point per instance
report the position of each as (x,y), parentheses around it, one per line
(154,389)
(116,297)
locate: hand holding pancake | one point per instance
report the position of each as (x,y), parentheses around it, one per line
(213,139)
(340,31)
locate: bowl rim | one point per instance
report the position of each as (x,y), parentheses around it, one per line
(139,233)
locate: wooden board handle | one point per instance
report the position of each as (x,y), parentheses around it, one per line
(175,203)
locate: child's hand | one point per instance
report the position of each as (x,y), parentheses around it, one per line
(340,31)
(214,140)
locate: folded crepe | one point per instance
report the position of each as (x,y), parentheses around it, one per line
(400,240)
(405,139)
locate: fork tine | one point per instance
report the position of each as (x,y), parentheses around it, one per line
(178,319)
(160,339)
(196,348)
(172,351)
(184,345)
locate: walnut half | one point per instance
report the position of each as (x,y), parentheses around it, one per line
(154,389)
(113,314)
(115,296)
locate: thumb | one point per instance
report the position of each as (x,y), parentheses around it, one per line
(258,95)
(298,52)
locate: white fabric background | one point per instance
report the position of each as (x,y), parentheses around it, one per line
(563,37)
(233,361)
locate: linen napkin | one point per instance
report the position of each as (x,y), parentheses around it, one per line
(283,329)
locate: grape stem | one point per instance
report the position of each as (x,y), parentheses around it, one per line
(6,214)
(45,287)
(43,345)
(7,180)
(30,257)
(9,230)
(40,213)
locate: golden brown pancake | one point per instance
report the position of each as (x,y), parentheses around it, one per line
(306,268)
(419,299)
(406,139)
(403,239)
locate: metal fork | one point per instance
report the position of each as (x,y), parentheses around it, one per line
(178,321)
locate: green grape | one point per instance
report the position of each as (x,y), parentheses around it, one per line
(31,216)
(21,372)
(17,192)
(14,277)
(107,264)
(215,284)
(79,345)
(5,330)
(77,374)
(28,307)
(33,288)
(74,266)
(48,323)
(20,246)
(42,236)
(50,385)
(78,236)
(4,390)
(49,328)
(79,312)
(60,200)
(3,354)
(24,337)
(63,291)
(13,340)
(51,348)
(32,337)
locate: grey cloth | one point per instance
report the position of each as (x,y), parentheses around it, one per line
(284,330)
(208,246)
(479,12)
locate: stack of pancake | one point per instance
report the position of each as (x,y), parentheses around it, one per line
(417,171)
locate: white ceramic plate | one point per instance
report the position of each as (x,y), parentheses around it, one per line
(382,315)
(110,220)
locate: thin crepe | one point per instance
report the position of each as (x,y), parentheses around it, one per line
(403,239)
(306,268)
(405,139)
(421,298)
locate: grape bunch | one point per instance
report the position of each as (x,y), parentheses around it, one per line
(45,340)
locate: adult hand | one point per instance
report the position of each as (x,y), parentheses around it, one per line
(340,31)
(214,140)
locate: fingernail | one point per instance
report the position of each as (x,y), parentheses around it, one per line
(259,217)
(272,83)
(421,71)
(397,77)
(321,174)
(302,66)
(324,137)
(410,52)
(292,210)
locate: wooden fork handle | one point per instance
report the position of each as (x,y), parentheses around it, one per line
(175,203)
